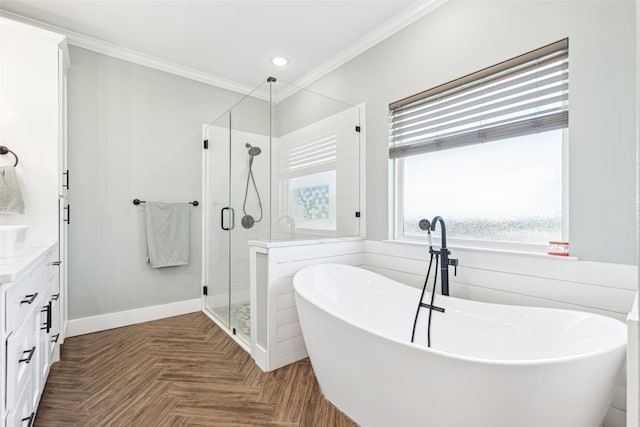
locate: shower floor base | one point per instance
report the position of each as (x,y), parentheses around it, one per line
(240,319)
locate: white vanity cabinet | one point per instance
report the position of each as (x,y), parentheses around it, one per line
(29,330)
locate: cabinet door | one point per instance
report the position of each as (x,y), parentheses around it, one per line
(66,178)
(61,258)
(53,334)
(44,356)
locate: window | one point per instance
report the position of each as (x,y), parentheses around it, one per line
(486,152)
(317,190)
(310,167)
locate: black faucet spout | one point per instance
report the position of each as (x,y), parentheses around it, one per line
(438,219)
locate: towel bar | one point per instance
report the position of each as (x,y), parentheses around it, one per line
(138,201)
(5,150)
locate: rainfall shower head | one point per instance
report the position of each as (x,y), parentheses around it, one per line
(253,151)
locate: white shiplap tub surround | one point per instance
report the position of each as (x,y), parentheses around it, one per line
(483,275)
(521,279)
(276,338)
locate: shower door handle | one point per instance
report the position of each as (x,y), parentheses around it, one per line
(231,218)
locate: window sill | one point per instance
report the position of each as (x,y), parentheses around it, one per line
(484,249)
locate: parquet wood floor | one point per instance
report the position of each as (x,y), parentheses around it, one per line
(180,371)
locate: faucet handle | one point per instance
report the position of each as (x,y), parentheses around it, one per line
(454,262)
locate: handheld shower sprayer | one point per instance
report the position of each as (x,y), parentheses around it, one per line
(253,151)
(424,225)
(247,220)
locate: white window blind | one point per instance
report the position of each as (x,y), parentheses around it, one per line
(524,95)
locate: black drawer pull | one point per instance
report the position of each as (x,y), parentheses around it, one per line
(55,338)
(47,323)
(66,184)
(28,299)
(49,316)
(56,263)
(29,418)
(28,359)
(55,297)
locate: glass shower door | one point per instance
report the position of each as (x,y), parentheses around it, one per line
(249,195)
(237,192)
(219,218)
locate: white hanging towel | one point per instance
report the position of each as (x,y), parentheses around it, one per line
(168,233)
(11,201)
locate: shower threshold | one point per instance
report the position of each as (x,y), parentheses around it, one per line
(239,318)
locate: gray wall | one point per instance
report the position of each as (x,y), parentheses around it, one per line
(461,37)
(133,132)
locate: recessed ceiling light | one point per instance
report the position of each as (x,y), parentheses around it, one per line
(280,61)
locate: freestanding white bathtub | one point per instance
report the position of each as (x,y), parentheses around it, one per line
(489,365)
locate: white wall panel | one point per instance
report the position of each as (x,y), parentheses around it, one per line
(284,342)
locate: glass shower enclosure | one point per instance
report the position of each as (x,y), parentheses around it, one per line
(281,164)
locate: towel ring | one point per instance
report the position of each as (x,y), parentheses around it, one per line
(5,150)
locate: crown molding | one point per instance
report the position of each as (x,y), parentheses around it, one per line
(131,55)
(419,9)
(156,63)
(416,11)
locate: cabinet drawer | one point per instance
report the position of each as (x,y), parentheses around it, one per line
(23,349)
(24,413)
(23,296)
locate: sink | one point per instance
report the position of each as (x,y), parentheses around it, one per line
(12,240)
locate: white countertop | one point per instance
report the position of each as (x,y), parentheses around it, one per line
(301,242)
(11,268)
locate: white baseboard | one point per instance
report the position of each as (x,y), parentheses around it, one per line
(87,325)
(260,355)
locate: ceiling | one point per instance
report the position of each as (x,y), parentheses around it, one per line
(228,43)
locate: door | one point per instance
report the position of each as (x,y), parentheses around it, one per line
(237,195)
(219,218)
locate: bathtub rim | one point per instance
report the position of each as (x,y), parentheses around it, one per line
(516,362)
